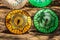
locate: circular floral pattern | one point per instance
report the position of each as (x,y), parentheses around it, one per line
(45,21)
(18,21)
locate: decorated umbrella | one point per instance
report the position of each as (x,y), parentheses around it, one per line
(18,21)
(45,21)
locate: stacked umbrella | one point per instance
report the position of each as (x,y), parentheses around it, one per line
(19,21)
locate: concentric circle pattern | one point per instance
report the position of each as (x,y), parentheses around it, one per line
(45,21)
(18,21)
(40,3)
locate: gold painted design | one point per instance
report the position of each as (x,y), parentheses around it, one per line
(18,21)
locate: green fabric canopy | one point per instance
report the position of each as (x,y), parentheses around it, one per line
(45,21)
(40,3)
